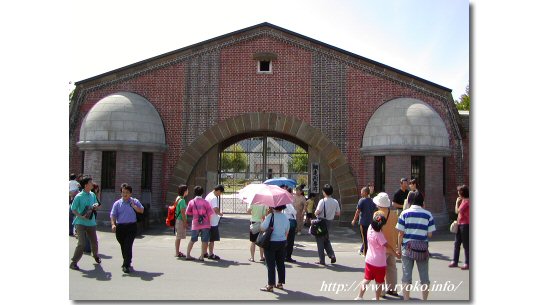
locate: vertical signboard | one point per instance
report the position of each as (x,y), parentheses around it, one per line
(314,178)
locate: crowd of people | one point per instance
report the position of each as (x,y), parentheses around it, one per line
(390,230)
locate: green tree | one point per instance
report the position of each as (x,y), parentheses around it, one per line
(465,101)
(234,158)
(299,161)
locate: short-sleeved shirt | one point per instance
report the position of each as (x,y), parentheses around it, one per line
(80,203)
(376,255)
(281,225)
(400,196)
(181,204)
(331,208)
(310,205)
(290,211)
(73,186)
(463,215)
(258,212)
(214,202)
(199,206)
(123,212)
(367,208)
(416,223)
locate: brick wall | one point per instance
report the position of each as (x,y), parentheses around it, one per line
(332,94)
(287,90)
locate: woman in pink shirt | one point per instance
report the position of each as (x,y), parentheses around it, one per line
(376,259)
(462,236)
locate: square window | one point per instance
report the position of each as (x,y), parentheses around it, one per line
(264,66)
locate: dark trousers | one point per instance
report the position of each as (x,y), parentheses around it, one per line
(462,236)
(291,238)
(324,245)
(125,235)
(274,257)
(364,235)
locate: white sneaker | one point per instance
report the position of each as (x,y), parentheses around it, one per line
(358,299)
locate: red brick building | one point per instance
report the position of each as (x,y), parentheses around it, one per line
(164,121)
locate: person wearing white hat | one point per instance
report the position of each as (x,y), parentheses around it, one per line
(383,204)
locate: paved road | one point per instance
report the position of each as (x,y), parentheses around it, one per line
(158,275)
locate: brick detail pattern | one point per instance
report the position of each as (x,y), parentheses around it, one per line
(200,110)
(329,105)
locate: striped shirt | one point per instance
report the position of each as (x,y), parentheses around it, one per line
(416,223)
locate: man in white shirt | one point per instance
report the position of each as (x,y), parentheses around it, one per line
(291,213)
(213,199)
(328,208)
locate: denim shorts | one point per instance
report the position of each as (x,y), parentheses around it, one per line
(203,232)
(407,266)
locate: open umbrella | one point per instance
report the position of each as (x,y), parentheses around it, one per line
(281,181)
(265,194)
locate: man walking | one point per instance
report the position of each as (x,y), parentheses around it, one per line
(328,208)
(213,199)
(365,208)
(84,205)
(123,219)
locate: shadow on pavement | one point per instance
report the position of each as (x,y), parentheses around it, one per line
(223,263)
(98,273)
(143,275)
(297,295)
(439,256)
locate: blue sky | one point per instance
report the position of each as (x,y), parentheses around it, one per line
(429,39)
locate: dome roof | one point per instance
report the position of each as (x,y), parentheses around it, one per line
(405,125)
(122,121)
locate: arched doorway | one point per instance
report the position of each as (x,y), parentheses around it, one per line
(199,164)
(256,157)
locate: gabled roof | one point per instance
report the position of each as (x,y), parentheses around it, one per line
(272,26)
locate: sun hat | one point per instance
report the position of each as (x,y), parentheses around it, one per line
(382,200)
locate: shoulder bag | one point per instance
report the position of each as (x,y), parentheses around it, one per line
(318,226)
(264,238)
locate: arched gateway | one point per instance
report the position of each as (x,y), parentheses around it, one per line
(199,163)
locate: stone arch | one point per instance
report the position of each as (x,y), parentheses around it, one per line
(340,171)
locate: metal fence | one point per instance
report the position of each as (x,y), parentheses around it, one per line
(231,204)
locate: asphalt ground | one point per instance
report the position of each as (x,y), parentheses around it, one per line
(158,275)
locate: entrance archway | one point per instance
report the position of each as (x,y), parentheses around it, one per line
(198,164)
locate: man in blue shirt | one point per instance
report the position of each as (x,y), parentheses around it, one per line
(83,206)
(366,209)
(123,219)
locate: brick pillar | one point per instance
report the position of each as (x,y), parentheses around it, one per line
(396,168)
(129,170)
(92,164)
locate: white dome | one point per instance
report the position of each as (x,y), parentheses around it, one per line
(122,121)
(405,125)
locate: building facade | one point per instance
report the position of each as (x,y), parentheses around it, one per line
(164,121)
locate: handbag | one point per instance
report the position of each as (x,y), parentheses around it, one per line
(454,227)
(255,227)
(417,250)
(264,238)
(318,226)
